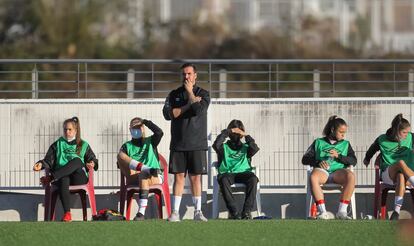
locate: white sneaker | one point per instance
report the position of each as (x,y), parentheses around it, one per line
(342,216)
(323,216)
(174,217)
(198,216)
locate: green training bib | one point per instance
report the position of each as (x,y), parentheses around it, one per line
(235,161)
(322,149)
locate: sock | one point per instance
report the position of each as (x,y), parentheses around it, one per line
(321,206)
(398,202)
(411,180)
(137,166)
(142,204)
(176,203)
(343,206)
(143,201)
(197,203)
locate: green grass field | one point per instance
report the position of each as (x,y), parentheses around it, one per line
(215,232)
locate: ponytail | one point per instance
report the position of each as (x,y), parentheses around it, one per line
(75,121)
(332,125)
(398,123)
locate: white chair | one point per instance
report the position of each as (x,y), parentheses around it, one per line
(327,188)
(237,188)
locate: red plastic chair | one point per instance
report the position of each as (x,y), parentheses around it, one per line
(51,195)
(381,192)
(161,190)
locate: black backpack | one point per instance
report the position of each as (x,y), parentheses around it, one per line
(107,214)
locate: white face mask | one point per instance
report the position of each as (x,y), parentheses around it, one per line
(70,139)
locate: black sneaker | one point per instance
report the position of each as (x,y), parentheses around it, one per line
(234,216)
(139,217)
(395,216)
(246,216)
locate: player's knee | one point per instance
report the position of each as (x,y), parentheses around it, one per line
(314,178)
(350,177)
(253,180)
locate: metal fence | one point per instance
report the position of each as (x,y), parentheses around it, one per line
(232,78)
(282,128)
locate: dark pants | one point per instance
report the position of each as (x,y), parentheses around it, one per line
(70,174)
(249,179)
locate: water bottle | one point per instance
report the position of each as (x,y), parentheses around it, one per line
(368,217)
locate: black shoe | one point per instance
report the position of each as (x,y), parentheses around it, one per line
(234,216)
(246,216)
(395,216)
(139,217)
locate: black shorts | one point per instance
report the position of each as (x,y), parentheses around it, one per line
(193,162)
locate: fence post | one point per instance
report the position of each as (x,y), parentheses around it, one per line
(35,83)
(223,83)
(316,83)
(130,83)
(411,83)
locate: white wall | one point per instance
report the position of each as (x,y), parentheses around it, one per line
(283,129)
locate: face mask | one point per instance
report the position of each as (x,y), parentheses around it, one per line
(70,139)
(234,137)
(136,133)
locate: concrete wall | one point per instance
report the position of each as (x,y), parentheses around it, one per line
(29,207)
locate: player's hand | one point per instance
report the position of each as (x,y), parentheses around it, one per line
(324,165)
(366,162)
(333,153)
(238,131)
(153,172)
(37,167)
(90,165)
(197,99)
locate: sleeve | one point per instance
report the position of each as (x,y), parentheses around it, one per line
(124,149)
(158,133)
(349,159)
(374,148)
(218,143)
(167,109)
(50,157)
(253,148)
(199,108)
(309,156)
(90,156)
(412,146)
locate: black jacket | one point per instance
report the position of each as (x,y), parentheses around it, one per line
(218,145)
(155,138)
(309,157)
(189,130)
(50,158)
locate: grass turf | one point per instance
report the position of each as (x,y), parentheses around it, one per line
(214,232)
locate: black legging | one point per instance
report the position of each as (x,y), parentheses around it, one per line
(70,174)
(249,179)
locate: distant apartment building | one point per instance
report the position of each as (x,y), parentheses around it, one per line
(384,24)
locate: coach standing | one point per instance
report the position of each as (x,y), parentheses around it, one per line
(186,107)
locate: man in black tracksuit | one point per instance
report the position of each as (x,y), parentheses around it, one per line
(186,107)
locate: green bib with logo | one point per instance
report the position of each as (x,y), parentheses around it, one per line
(235,161)
(392,152)
(66,152)
(144,154)
(322,149)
